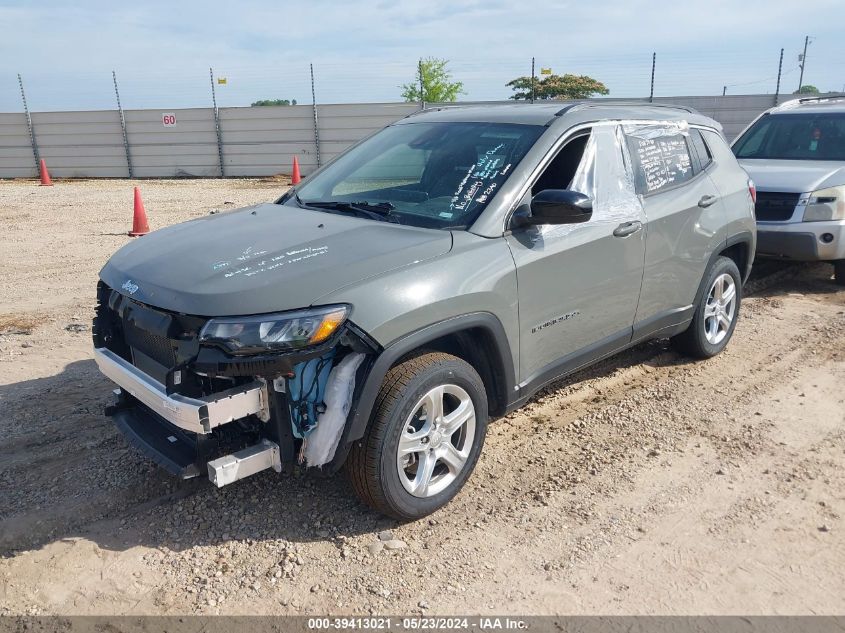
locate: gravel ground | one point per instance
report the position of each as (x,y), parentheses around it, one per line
(646,484)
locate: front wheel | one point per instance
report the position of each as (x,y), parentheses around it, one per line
(839,272)
(716,313)
(424,439)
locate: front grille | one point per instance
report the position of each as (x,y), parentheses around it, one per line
(158,348)
(773,206)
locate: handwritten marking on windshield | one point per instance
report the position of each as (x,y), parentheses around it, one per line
(486,168)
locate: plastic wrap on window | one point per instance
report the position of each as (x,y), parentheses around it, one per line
(584,180)
(604,174)
(660,151)
(655,129)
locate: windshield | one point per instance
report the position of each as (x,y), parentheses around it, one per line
(437,175)
(810,136)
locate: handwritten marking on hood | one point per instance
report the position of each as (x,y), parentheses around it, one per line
(248,254)
(272,263)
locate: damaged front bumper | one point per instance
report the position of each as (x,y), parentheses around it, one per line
(194,409)
(197,415)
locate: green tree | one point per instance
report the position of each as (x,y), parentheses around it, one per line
(274,102)
(807,89)
(437,84)
(557,87)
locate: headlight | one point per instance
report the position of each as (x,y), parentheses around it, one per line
(271,332)
(826,204)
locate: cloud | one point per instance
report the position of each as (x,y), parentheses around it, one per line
(363,51)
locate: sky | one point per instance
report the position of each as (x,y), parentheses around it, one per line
(161,51)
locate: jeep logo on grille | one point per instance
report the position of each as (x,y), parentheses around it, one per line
(129,287)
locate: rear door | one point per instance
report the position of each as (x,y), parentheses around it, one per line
(732,181)
(685,221)
(579,283)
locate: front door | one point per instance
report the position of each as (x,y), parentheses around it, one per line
(579,284)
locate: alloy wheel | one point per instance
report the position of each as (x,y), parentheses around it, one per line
(720,310)
(436,440)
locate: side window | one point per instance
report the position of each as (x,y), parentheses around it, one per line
(661,160)
(700,149)
(717,145)
(560,172)
(752,141)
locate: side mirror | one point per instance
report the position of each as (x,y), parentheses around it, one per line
(559,206)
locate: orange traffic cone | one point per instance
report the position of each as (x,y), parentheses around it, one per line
(295,177)
(139,218)
(45,175)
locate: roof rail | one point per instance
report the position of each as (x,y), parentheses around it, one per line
(434,109)
(622,102)
(794,103)
(836,97)
(568,107)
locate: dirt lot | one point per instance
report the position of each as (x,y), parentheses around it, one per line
(648,484)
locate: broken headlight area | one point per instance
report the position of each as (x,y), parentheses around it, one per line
(274,332)
(190,395)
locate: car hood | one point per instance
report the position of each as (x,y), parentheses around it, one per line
(795,176)
(263,259)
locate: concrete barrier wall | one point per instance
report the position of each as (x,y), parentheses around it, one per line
(256,141)
(343,125)
(734,112)
(186,149)
(263,141)
(16,158)
(81,144)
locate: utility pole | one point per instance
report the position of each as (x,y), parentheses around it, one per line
(32,142)
(314,111)
(780,68)
(532,80)
(422,94)
(122,126)
(803,61)
(216,113)
(653,64)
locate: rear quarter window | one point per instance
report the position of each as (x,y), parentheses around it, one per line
(718,146)
(700,149)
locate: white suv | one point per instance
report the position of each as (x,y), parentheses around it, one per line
(795,153)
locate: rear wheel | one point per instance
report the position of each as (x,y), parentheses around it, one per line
(424,439)
(716,314)
(839,272)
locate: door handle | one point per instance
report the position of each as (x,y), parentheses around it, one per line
(627,228)
(706,201)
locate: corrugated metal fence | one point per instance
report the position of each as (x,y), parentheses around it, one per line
(256,141)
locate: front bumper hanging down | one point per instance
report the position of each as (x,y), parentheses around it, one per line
(197,415)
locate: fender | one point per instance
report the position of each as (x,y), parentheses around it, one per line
(747,238)
(744,237)
(359,417)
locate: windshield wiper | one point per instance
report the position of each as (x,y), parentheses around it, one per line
(374,210)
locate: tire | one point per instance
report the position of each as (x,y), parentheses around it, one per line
(402,412)
(839,272)
(713,322)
